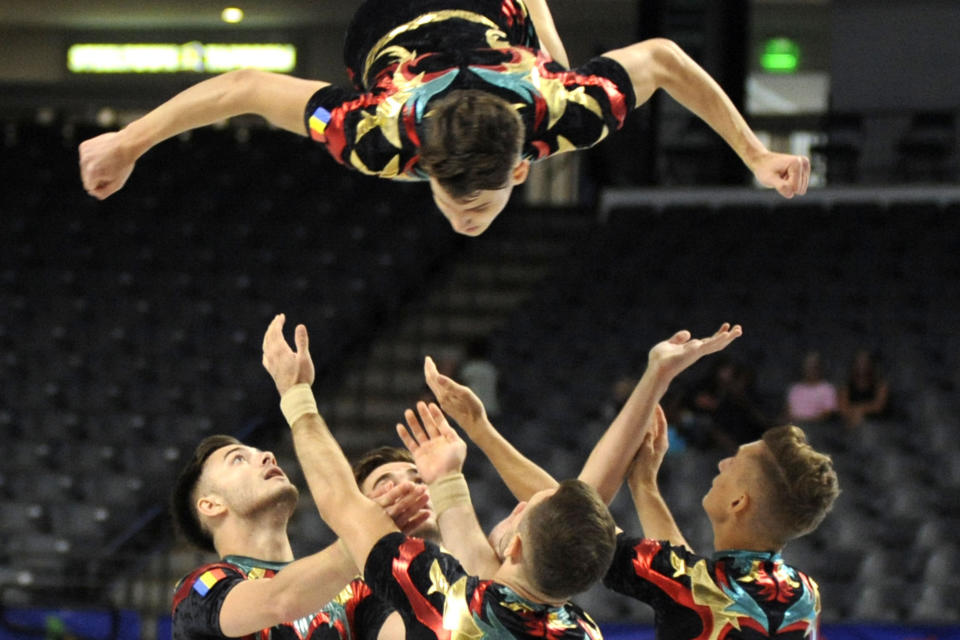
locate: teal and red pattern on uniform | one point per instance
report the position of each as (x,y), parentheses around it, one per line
(353,615)
(403,55)
(438,600)
(734,595)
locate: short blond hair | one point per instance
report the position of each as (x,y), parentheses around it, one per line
(800,484)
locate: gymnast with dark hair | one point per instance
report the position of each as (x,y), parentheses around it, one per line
(462,93)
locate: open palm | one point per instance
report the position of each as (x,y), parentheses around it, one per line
(436,448)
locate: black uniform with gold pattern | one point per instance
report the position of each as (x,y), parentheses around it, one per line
(439,601)
(353,615)
(734,595)
(402,55)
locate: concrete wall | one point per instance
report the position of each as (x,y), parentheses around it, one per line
(889,54)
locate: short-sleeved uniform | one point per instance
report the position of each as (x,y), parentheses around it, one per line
(438,600)
(353,615)
(403,54)
(732,595)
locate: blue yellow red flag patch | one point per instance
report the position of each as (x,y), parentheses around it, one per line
(206,581)
(318,123)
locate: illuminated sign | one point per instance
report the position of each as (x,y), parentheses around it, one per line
(780,55)
(193,57)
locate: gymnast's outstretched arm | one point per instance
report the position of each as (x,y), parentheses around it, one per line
(357,520)
(107,160)
(522,475)
(655,518)
(615,451)
(439,453)
(612,455)
(660,64)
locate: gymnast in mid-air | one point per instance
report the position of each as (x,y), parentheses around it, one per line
(462,93)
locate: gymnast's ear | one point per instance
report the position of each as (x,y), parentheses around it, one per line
(740,503)
(514,549)
(211,505)
(520,172)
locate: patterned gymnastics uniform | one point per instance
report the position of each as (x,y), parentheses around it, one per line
(733,595)
(439,601)
(353,615)
(402,54)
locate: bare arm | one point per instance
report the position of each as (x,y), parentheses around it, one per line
(393,628)
(652,510)
(107,160)
(439,454)
(661,64)
(614,452)
(301,588)
(611,456)
(359,521)
(463,536)
(547,31)
(521,475)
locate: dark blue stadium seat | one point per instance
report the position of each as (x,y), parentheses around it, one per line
(937,604)
(879,604)
(943,566)
(22,518)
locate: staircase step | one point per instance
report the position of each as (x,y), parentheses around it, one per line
(407,349)
(383,380)
(500,274)
(458,299)
(491,278)
(454,326)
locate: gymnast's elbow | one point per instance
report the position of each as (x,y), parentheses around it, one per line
(241,90)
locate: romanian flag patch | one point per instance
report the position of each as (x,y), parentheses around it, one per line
(318,123)
(206,581)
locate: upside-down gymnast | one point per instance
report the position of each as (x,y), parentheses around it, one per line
(463,93)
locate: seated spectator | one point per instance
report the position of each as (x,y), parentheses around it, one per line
(738,417)
(812,399)
(865,393)
(701,401)
(618,395)
(707,394)
(725,408)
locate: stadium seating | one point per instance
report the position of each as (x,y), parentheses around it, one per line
(131,329)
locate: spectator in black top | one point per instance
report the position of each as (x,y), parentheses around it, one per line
(865,394)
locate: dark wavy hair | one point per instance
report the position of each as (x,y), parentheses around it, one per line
(472,142)
(182,503)
(571,537)
(372,459)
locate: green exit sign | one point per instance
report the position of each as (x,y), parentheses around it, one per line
(780,55)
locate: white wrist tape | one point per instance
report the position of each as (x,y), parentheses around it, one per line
(449,491)
(297,402)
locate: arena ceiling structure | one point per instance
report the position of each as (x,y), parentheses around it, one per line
(125,14)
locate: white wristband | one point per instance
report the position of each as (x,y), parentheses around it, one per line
(449,491)
(297,402)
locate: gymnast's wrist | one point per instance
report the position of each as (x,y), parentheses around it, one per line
(449,491)
(136,139)
(298,401)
